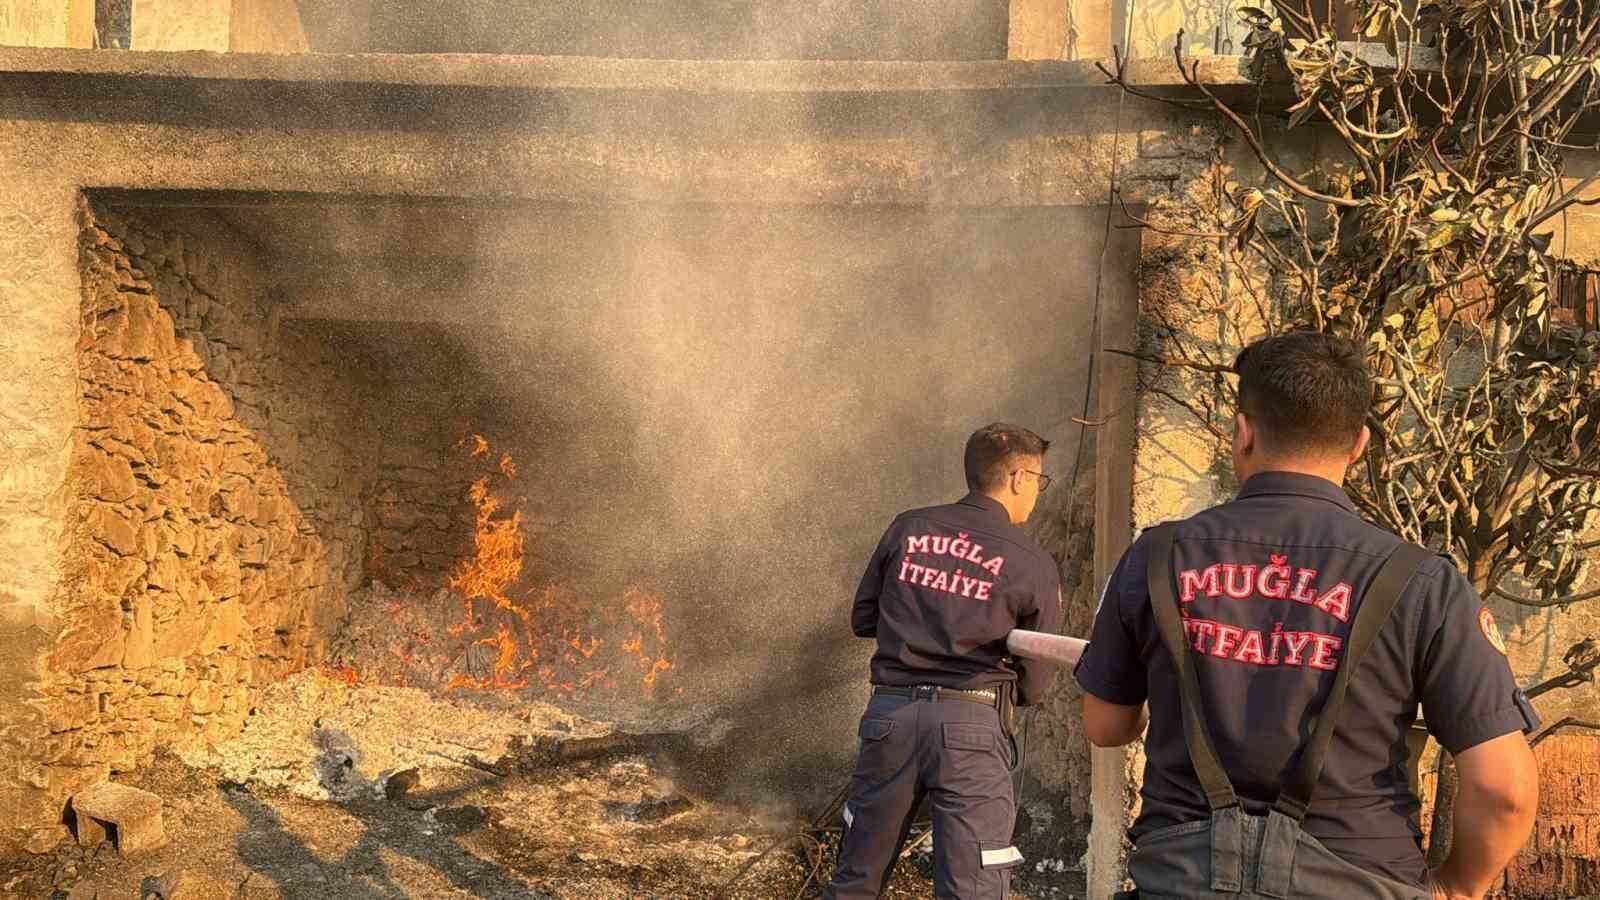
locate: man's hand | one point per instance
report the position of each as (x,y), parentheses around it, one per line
(1440,892)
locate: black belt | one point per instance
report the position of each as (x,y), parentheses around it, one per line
(935,692)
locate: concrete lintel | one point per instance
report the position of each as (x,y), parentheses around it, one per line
(543,73)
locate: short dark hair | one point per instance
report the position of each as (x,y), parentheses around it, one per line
(991,450)
(1307,391)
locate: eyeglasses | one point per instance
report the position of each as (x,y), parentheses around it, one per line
(1044,480)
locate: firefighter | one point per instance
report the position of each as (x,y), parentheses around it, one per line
(944,587)
(1283,645)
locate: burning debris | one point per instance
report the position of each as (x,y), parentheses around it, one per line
(496,626)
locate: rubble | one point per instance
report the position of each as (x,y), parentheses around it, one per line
(321,738)
(649,808)
(131,818)
(162,887)
(397,784)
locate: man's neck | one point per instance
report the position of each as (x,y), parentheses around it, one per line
(1327,470)
(1011,515)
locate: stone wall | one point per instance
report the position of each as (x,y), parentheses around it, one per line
(215,498)
(1562,859)
(421,515)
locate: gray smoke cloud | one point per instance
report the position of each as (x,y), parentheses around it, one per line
(745,398)
(723,403)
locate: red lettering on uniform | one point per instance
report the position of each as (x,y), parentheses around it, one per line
(1192,580)
(957,583)
(1295,642)
(1302,587)
(1336,602)
(1322,657)
(1250,649)
(1273,582)
(1238,582)
(917,543)
(1247,646)
(1227,639)
(1200,630)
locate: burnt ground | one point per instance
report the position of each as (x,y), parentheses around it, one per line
(442,804)
(229,840)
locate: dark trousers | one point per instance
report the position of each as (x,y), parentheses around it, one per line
(953,753)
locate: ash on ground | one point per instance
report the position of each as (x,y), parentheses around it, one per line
(339,790)
(339,787)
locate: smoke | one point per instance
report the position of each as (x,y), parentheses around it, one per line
(724,403)
(744,397)
(721,404)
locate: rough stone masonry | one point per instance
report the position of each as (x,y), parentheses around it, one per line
(204,551)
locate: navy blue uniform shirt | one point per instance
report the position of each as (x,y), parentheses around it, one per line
(945,587)
(1269,584)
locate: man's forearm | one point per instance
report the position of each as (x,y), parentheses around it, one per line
(1489,829)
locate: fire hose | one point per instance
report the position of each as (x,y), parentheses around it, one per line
(1045,647)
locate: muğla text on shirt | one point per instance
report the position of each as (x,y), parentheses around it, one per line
(960,547)
(1276,581)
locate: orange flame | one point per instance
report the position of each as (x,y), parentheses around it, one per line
(497,559)
(553,634)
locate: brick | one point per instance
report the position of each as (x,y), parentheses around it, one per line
(134,815)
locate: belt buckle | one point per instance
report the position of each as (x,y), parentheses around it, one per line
(925,692)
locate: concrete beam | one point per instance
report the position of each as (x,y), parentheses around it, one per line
(569,73)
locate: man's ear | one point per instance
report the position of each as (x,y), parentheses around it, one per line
(1362,440)
(1244,435)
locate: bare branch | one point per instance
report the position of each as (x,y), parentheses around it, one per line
(1545,602)
(1564,722)
(1175,362)
(1192,78)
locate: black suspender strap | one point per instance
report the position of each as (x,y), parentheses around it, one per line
(1377,602)
(1164,605)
